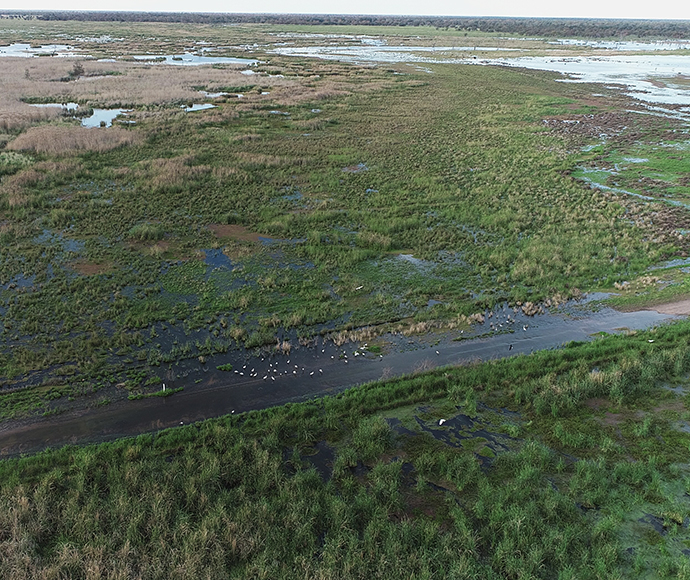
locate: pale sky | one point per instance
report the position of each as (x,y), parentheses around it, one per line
(660,9)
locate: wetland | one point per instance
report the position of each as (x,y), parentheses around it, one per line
(402,292)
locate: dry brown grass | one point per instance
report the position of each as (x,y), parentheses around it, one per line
(136,85)
(61,139)
(171,173)
(133,84)
(16,188)
(284,347)
(13,187)
(17,115)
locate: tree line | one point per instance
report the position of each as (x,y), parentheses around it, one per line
(542,27)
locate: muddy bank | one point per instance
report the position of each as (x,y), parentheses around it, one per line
(261,381)
(679,308)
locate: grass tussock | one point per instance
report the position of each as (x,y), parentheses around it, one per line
(171,174)
(65,139)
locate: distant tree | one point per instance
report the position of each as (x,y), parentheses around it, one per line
(77,70)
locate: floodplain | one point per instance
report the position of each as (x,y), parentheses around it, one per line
(215,220)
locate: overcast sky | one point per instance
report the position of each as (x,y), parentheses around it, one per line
(659,9)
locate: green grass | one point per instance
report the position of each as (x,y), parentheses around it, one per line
(458,174)
(569,485)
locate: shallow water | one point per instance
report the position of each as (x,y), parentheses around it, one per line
(67,106)
(106,116)
(26,50)
(217,259)
(626,45)
(360,53)
(189,59)
(632,71)
(198,107)
(215,95)
(269,380)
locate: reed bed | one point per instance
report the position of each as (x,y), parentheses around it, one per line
(66,139)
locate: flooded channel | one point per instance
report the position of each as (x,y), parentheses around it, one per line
(257,381)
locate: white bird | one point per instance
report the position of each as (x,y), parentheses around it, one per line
(320,370)
(265,377)
(437,352)
(441,421)
(311,374)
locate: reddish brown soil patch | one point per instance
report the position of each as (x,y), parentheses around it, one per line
(613,419)
(674,405)
(91,268)
(234,231)
(596,403)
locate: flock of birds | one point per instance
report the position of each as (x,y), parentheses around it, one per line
(277,368)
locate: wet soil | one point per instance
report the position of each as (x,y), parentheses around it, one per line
(234,231)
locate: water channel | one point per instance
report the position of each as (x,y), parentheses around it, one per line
(262,380)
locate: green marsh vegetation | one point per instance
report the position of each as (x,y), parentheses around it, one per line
(332,197)
(568,463)
(341,199)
